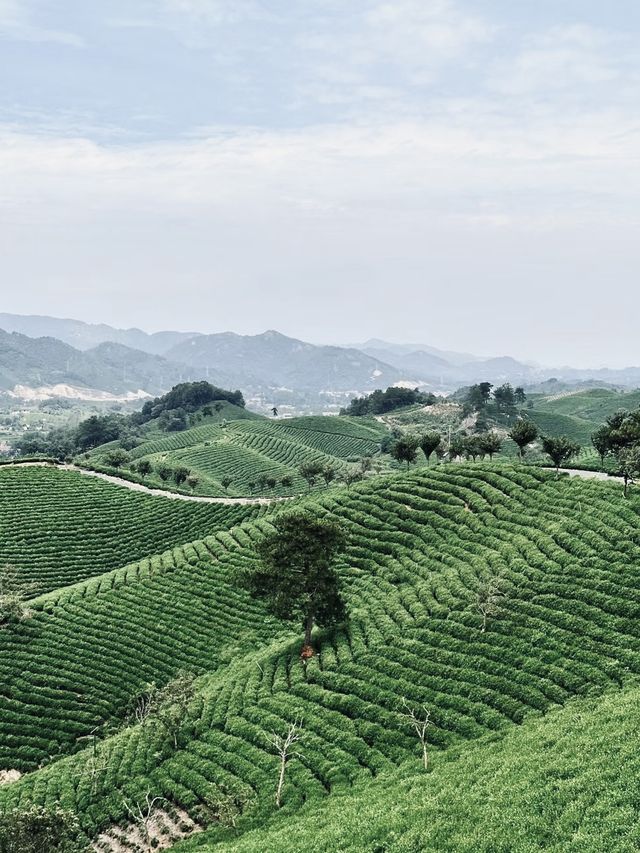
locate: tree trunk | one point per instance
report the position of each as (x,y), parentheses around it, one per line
(308,628)
(283,764)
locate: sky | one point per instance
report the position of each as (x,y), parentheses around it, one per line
(460,173)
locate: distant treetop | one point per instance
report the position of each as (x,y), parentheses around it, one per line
(188,397)
(380,402)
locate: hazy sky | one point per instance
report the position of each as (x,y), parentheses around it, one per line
(465,173)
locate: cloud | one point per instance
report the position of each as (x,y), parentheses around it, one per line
(421,32)
(16,23)
(321,229)
(385,55)
(571,58)
(195,23)
(212,12)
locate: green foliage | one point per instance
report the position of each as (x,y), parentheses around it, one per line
(490,444)
(39,830)
(477,396)
(59,527)
(456,447)
(181,475)
(523,432)
(144,468)
(310,471)
(629,462)
(565,781)
(405,449)
(296,574)
(166,707)
(14,592)
(505,398)
(258,449)
(418,546)
(186,397)
(381,402)
(117,458)
(473,447)
(429,443)
(560,450)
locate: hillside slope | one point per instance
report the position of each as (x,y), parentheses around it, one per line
(272,360)
(59,527)
(108,367)
(420,547)
(568,781)
(247,449)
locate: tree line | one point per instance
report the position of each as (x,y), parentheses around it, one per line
(619,438)
(177,410)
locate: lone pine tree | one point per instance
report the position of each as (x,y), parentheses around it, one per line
(295,574)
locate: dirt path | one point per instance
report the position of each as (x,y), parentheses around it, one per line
(139,487)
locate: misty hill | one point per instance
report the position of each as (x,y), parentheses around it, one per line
(273,360)
(386,347)
(109,367)
(306,376)
(452,369)
(85,336)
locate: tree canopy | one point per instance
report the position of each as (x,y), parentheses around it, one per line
(295,574)
(380,402)
(523,433)
(559,449)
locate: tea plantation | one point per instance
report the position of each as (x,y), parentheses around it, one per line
(246,450)
(506,762)
(565,781)
(58,527)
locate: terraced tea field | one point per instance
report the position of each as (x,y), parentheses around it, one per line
(565,781)
(246,450)
(419,549)
(59,527)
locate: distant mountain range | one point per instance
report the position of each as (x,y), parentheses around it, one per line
(109,367)
(37,351)
(86,336)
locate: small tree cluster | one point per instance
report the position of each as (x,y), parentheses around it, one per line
(620,438)
(166,707)
(39,830)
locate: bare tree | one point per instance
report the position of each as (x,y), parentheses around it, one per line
(489,596)
(420,721)
(14,593)
(145,703)
(283,746)
(142,814)
(97,762)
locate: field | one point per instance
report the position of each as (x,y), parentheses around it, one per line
(565,781)
(246,450)
(420,548)
(595,404)
(59,527)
